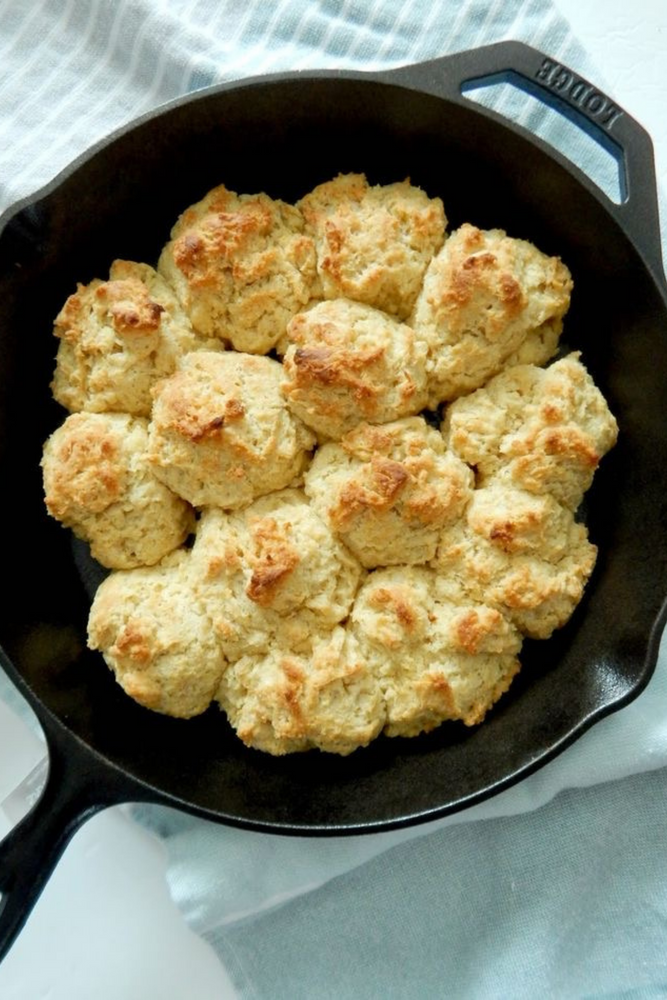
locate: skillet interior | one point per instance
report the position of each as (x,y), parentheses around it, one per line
(283,137)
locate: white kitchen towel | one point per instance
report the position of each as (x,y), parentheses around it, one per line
(569,899)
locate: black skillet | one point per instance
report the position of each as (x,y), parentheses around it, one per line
(282,135)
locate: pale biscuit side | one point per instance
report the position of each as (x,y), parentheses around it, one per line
(156,638)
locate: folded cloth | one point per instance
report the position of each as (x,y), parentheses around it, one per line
(558,901)
(73,70)
(569,901)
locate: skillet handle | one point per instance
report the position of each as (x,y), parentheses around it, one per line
(76,788)
(582,103)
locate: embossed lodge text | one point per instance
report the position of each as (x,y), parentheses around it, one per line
(578,92)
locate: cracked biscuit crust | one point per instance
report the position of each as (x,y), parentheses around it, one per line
(117,338)
(98,482)
(544,430)
(322,695)
(221,433)
(435,659)
(521,553)
(347,363)
(387,491)
(488,299)
(241,266)
(373,242)
(272,569)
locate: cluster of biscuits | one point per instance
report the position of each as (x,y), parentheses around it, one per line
(248,452)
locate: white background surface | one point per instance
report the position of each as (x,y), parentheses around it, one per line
(105,926)
(627,41)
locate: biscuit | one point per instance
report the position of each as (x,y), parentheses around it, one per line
(117,338)
(271,569)
(483,295)
(98,482)
(387,491)
(519,552)
(221,433)
(435,659)
(544,430)
(323,696)
(373,242)
(539,347)
(156,638)
(241,266)
(347,363)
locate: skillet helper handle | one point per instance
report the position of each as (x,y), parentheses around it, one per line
(581,102)
(31,850)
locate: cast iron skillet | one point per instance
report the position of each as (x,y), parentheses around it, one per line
(284,134)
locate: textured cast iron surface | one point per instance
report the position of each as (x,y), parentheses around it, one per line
(283,137)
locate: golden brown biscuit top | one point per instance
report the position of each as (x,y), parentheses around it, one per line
(347,362)
(271,574)
(241,266)
(84,465)
(117,339)
(222,237)
(388,490)
(485,298)
(373,241)
(484,280)
(125,300)
(198,402)
(544,430)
